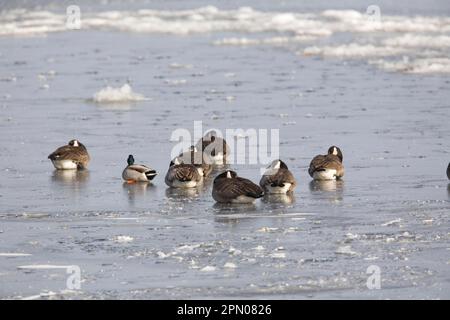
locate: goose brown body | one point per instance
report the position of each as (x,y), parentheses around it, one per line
(215,148)
(198,159)
(74,155)
(181,175)
(327,167)
(278,179)
(229,188)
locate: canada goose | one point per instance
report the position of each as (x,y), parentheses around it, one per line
(448,171)
(327,167)
(137,172)
(182,175)
(229,188)
(215,148)
(278,178)
(198,159)
(71,156)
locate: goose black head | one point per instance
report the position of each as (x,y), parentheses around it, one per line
(210,136)
(277,164)
(193,149)
(74,143)
(130,160)
(336,151)
(177,161)
(226,175)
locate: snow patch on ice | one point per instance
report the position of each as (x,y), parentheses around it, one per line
(175,82)
(230,265)
(278,255)
(351,236)
(419,66)
(121,94)
(184,249)
(208,269)
(14,254)
(354,50)
(346,250)
(243,41)
(234,251)
(162,255)
(42,266)
(267,229)
(423,37)
(392,222)
(421,41)
(176,65)
(123,239)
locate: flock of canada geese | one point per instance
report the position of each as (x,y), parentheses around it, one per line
(190,168)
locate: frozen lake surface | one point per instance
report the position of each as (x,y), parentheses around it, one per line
(387,109)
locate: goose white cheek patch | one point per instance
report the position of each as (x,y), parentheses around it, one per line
(276,165)
(201,172)
(270,170)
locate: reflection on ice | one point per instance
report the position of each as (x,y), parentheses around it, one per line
(72,185)
(135,190)
(182,193)
(71,177)
(331,190)
(327,185)
(288,198)
(226,208)
(232,212)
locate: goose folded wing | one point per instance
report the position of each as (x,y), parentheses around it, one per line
(286,176)
(329,162)
(248,188)
(66,153)
(186,173)
(283,176)
(317,163)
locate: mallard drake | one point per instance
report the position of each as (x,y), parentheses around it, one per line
(198,159)
(215,148)
(182,175)
(278,178)
(74,155)
(137,172)
(327,167)
(229,188)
